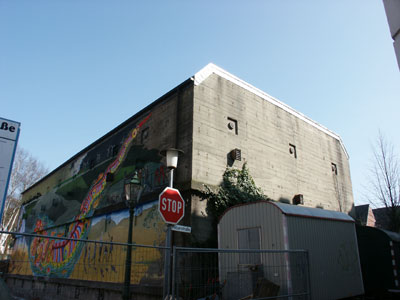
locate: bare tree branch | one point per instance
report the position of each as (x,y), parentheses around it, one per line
(384,180)
(26,171)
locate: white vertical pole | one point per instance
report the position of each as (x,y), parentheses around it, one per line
(168,242)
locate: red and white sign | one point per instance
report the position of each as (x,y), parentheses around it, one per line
(171,205)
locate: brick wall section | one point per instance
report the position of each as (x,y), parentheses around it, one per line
(264,134)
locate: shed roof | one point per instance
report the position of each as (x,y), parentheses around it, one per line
(394,236)
(301,211)
(310,212)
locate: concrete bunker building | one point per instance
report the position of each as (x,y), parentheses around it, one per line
(219,121)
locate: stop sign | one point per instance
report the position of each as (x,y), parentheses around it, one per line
(171,205)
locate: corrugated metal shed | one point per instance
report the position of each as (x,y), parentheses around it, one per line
(329,237)
(380,258)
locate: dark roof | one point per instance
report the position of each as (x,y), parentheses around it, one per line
(382,219)
(369,232)
(361,213)
(392,235)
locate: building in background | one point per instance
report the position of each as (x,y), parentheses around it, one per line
(392,8)
(219,121)
(364,215)
(383,218)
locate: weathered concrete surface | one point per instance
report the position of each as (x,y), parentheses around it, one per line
(265,133)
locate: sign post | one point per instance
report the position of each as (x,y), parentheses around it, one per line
(9,133)
(172,209)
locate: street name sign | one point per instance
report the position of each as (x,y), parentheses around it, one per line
(180,228)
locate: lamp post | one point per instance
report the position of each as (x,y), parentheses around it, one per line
(132,190)
(171,156)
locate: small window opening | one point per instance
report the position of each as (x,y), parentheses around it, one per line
(109,151)
(145,135)
(298,199)
(334,169)
(233,125)
(115,150)
(292,150)
(236,154)
(91,164)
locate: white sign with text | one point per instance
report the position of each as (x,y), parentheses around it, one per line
(9,133)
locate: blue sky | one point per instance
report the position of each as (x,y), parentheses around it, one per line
(70,71)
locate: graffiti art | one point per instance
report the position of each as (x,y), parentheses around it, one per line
(57,258)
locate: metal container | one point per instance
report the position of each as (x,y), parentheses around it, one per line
(328,236)
(380,258)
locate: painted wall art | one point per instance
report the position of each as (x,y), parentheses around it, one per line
(86,202)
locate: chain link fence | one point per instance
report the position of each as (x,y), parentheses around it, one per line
(240,274)
(62,268)
(55,262)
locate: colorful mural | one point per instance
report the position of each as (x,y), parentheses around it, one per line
(106,262)
(61,213)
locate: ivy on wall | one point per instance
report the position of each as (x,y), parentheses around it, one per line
(237,187)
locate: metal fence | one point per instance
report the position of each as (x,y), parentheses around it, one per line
(95,264)
(240,274)
(184,273)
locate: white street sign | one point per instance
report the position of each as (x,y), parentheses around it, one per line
(181,228)
(9,133)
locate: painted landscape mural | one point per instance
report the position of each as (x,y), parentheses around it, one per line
(87,202)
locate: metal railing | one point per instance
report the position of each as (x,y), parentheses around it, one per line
(240,274)
(84,261)
(194,273)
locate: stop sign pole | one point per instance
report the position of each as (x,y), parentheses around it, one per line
(170,206)
(172,209)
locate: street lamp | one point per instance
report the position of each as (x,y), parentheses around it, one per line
(133,190)
(171,156)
